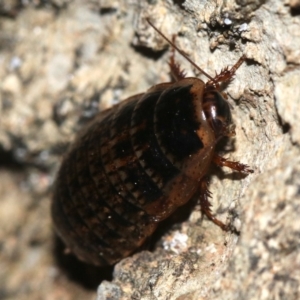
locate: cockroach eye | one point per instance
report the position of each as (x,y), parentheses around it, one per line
(217,112)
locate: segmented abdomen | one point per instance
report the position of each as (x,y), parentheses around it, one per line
(123,174)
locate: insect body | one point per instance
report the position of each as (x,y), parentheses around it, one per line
(137,162)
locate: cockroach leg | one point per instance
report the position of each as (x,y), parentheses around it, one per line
(205,204)
(223,162)
(176,72)
(226,74)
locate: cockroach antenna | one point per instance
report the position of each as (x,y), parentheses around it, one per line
(178,50)
(225,75)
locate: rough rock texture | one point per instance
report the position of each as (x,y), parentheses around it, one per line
(62,61)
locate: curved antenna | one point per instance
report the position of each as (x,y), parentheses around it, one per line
(180,51)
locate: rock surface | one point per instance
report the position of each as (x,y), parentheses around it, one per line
(62,61)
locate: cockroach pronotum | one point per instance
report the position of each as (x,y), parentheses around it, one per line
(140,160)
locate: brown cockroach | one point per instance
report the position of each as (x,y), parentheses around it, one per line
(140,160)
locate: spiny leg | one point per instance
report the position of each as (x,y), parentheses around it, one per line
(226,74)
(234,165)
(176,72)
(206,205)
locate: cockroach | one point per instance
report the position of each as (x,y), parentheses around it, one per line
(140,160)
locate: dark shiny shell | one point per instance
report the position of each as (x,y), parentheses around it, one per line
(130,169)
